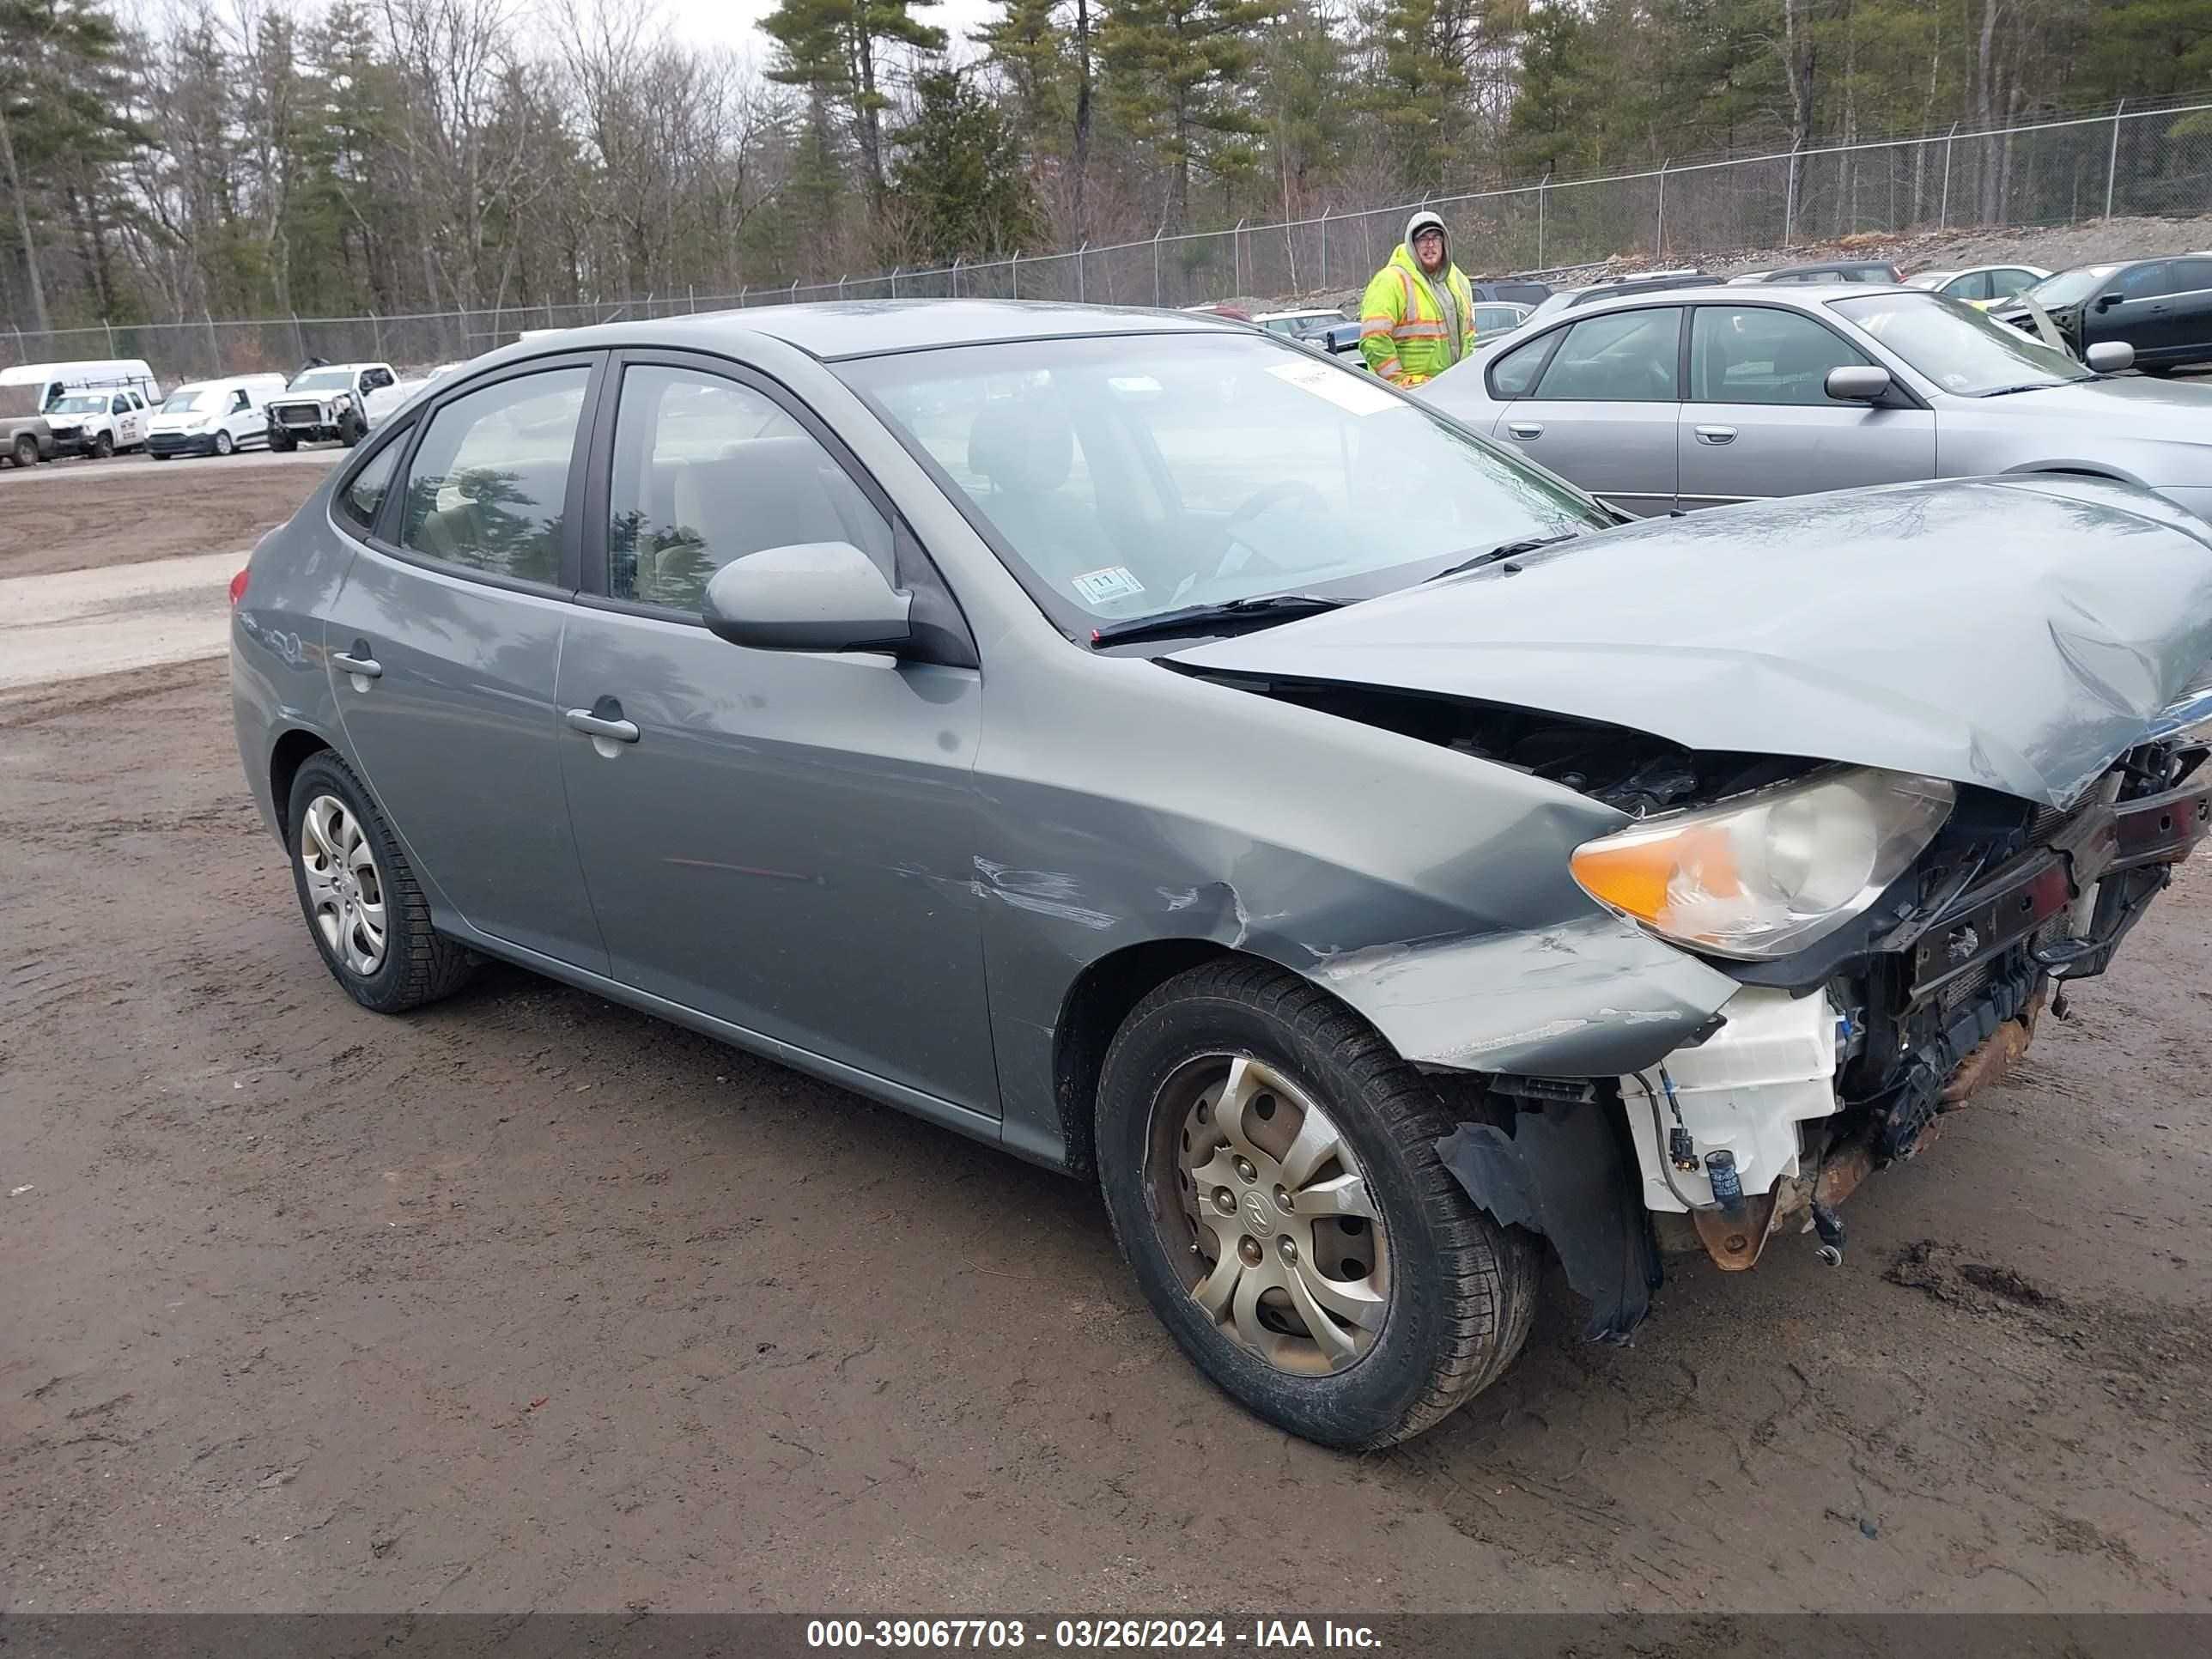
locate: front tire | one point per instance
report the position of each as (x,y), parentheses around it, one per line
(224,444)
(103,446)
(1270,1168)
(282,442)
(364,909)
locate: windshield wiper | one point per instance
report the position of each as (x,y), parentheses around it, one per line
(2025,386)
(1502,551)
(1260,610)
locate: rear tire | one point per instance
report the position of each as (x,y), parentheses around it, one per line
(347,868)
(1440,1297)
(26,451)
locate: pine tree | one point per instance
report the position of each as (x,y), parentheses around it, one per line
(832,48)
(63,95)
(1029,48)
(959,174)
(1177,72)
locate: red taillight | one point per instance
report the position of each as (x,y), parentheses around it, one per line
(237,585)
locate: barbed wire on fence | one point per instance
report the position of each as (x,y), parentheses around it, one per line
(2059,170)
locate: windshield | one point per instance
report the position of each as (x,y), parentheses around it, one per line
(1962,350)
(2070,287)
(1146,473)
(183,403)
(324,379)
(80,405)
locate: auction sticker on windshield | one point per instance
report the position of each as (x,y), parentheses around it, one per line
(1101,586)
(1346,391)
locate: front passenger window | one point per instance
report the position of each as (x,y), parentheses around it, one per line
(487,483)
(707,470)
(1753,355)
(1627,357)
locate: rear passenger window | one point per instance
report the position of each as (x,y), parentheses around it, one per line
(1627,357)
(491,476)
(1513,375)
(2190,276)
(707,470)
(1974,285)
(2004,284)
(358,501)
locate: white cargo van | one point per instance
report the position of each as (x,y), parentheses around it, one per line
(55,381)
(214,417)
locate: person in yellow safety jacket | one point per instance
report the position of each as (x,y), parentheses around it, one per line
(1417,319)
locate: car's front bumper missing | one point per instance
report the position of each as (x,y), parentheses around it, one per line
(1765,1124)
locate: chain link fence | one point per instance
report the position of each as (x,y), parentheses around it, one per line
(2063,171)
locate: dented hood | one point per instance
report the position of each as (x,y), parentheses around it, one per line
(2019,634)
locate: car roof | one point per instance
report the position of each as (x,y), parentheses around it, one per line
(837,329)
(1835,264)
(1800,296)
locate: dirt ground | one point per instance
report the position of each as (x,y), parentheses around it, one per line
(531,1303)
(85,515)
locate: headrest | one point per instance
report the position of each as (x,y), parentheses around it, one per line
(1022,445)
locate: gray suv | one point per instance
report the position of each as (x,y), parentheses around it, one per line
(1716,395)
(1023,715)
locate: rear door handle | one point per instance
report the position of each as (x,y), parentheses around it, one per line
(598,725)
(1525,429)
(358,661)
(1717,435)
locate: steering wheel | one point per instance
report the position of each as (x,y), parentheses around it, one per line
(1259,500)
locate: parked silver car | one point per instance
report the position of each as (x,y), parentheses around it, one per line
(1694,399)
(1143,743)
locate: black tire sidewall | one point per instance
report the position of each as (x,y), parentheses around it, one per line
(1364,1404)
(103,446)
(24,452)
(384,991)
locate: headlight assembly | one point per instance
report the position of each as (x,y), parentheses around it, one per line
(1770,872)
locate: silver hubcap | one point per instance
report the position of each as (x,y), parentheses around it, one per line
(345,886)
(1270,1212)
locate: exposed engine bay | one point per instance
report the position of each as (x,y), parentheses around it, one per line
(1831,1061)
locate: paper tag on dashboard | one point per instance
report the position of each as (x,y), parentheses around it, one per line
(1104,586)
(1352,392)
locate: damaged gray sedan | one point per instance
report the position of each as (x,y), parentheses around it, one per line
(1192,765)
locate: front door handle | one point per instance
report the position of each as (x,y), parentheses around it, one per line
(599,726)
(1715,435)
(357,662)
(1525,429)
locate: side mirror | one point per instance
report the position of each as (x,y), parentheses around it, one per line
(2107,301)
(809,596)
(2110,356)
(1857,383)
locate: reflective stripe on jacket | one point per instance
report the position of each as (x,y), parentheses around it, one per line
(1403,333)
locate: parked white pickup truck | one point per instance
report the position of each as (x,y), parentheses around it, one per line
(98,421)
(330,400)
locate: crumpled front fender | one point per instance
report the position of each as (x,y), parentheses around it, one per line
(1591,997)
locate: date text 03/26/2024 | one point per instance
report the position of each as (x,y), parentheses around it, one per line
(1255,1636)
